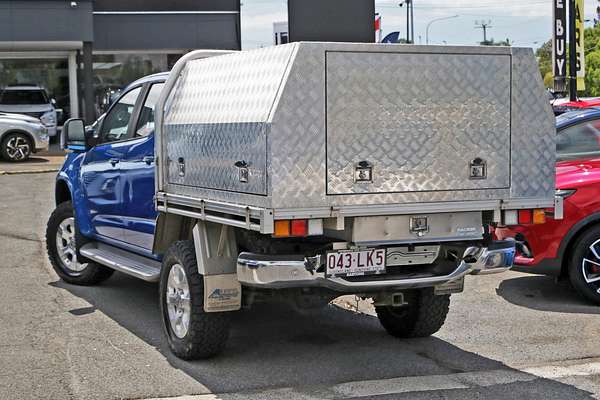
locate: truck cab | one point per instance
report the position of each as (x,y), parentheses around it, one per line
(109,180)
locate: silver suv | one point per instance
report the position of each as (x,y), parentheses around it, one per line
(21,135)
(30,100)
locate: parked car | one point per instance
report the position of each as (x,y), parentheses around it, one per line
(563,105)
(568,248)
(236,207)
(21,135)
(30,100)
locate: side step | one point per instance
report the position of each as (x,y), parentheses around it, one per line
(123,261)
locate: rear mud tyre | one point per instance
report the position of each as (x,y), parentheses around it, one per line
(61,238)
(191,332)
(423,316)
(584,265)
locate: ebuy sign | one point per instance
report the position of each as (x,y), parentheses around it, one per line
(559,42)
(559,46)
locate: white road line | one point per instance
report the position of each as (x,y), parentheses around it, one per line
(464,380)
(375,387)
(561,370)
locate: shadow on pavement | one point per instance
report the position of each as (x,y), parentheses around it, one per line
(29,161)
(273,346)
(542,293)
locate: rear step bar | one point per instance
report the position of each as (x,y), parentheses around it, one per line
(123,261)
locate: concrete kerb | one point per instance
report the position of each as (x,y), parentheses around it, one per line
(33,171)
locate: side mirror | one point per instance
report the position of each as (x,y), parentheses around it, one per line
(73,135)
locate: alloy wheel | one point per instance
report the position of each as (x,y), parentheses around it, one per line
(178,301)
(590,266)
(66,247)
(18,148)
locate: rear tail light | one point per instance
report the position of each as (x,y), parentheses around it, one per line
(524,217)
(539,216)
(282,228)
(297,228)
(511,217)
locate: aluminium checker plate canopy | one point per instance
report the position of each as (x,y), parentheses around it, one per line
(290,127)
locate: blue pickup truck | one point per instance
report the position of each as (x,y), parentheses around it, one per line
(228,182)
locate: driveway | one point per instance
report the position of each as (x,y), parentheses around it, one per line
(508,336)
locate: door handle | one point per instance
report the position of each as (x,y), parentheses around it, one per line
(148,159)
(114,161)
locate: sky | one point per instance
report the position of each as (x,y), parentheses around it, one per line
(526,23)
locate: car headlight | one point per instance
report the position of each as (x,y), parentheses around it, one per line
(564,193)
(48,118)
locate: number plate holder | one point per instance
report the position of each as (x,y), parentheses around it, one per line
(355,262)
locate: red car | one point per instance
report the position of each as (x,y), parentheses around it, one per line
(561,106)
(569,247)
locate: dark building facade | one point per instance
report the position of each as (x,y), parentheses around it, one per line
(331,20)
(83,52)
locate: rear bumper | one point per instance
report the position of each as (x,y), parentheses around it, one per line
(546,266)
(277,272)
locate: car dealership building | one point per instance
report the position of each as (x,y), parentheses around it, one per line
(84,51)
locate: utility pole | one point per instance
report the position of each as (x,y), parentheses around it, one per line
(484,26)
(407,21)
(410,22)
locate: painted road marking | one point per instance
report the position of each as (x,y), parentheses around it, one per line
(463,380)
(562,371)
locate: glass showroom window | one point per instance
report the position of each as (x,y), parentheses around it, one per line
(112,72)
(50,74)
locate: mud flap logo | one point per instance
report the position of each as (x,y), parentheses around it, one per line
(222,293)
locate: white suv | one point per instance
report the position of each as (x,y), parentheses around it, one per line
(30,100)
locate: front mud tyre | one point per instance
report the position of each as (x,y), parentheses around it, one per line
(61,237)
(191,332)
(423,316)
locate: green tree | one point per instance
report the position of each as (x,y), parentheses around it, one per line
(491,42)
(592,62)
(544,57)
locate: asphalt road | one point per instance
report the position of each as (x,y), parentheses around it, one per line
(508,336)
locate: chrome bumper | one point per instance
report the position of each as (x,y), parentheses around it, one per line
(278,272)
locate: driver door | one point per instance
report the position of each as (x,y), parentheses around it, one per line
(101,179)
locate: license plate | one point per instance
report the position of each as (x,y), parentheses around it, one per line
(356,263)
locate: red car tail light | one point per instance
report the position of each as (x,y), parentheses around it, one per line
(525,217)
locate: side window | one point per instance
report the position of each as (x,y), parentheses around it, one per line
(581,140)
(115,123)
(145,124)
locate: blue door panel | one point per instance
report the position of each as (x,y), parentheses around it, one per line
(101,184)
(140,232)
(139,213)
